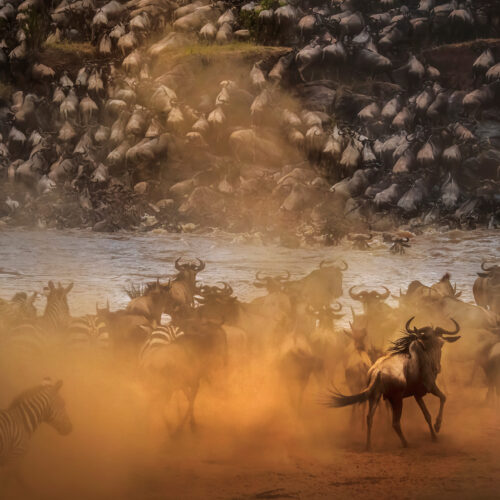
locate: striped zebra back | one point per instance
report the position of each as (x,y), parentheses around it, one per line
(28,343)
(88,333)
(161,336)
(20,308)
(40,404)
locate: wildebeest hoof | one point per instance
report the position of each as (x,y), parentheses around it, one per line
(437,426)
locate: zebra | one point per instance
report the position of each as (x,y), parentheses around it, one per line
(27,411)
(19,308)
(159,337)
(88,333)
(33,339)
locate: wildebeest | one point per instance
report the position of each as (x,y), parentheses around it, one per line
(150,304)
(409,369)
(486,288)
(183,362)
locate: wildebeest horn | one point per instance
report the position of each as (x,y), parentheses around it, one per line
(442,331)
(385,296)
(227,290)
(339,307)
(407,326)
(199,267)
(322,263)
(355,296)
(258,276)
(345,267)
(285,277)
(177,265)
(487,269)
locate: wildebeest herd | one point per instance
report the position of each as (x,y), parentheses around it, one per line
(389,352)
(379,123)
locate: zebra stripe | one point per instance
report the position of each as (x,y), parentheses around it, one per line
(161,336)
(88,333)
(25,414)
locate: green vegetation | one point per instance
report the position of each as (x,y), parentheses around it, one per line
(70,48)
(249,19)
(213,51)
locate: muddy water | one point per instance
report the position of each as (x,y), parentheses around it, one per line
(101,265)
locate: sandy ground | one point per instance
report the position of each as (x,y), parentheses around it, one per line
(330,462)
(249,445)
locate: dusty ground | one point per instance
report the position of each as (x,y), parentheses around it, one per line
(249,445)
(330,462)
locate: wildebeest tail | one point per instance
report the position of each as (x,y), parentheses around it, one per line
(337,400)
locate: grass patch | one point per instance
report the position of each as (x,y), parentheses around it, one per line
(214,53)
(216,50)
(70,48)
(66,55)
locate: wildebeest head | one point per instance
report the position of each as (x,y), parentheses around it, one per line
(188,270)
(490,272)
(326,315)
(357,335)
(273,284)
(369,299)
(216,303)
(430,339)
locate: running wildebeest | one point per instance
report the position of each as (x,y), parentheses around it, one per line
(409,369)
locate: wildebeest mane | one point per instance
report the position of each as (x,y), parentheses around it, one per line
(402,345)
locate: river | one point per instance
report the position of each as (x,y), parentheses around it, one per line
(101,265)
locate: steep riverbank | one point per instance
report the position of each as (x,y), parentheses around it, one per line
(304,121)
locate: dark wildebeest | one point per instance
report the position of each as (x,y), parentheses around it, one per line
(151,303)
(261,321)
(183,286)
(486,288)
(410,369)
(181,363)
(318,289)
(357,362)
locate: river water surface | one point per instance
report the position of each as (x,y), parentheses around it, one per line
(101,265)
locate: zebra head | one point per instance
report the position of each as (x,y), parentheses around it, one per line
(56,415)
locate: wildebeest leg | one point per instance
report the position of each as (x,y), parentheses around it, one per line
(442,400)
(372,406)
(397,410)
(427,416)
(191,395)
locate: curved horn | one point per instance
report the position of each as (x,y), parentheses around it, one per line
(442,331)
(257,276)
(345,266)
(177,265)
(407,326)
(199,267)
(385,296)
(339,307)
(355,296)
(484,268)
(284,277)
